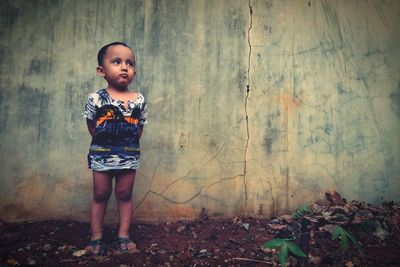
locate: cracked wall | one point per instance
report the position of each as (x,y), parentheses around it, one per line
(255,107)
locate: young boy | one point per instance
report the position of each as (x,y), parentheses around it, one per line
(115,118)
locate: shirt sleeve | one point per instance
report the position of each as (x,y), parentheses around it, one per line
(143,114)
(90,107)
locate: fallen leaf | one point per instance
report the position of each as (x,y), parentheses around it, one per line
(334,197)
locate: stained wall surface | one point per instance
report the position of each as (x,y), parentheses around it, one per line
(255,107)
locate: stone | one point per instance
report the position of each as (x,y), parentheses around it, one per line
(181,228)
(47,247)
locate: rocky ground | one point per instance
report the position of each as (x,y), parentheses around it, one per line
(221,242)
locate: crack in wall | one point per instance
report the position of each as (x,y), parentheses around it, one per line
(198,193)
(245,105)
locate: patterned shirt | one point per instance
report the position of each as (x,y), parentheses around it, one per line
(115,144)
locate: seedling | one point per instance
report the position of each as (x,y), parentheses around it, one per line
(344,237)
(300,212)
(285,246)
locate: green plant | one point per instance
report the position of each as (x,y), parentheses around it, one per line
(285,246)
(344,237)
(300,212)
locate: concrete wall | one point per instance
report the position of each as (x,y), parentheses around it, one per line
(254,107)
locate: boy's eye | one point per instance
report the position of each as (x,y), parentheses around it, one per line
(116,61)
(130,64)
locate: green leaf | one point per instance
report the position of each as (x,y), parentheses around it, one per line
(274,243)
(344,242)
(295,249)
(283,255)
(336,232)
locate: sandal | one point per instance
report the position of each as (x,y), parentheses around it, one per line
(122,243)
(98,243)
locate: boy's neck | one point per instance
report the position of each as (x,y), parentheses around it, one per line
(117,89)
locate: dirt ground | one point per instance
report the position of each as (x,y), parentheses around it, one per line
(215,241)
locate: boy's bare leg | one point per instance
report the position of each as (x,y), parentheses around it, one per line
(123,191)
(102,188)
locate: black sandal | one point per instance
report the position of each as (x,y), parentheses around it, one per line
(91,248)
(125,241)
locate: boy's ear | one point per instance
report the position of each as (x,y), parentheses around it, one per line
(100,71)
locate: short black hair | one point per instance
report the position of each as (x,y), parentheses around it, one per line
(102,52)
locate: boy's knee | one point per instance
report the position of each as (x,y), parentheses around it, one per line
(101,196)
(124,195)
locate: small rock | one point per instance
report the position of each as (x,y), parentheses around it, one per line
(315,260)
(242,250)
(20,249)
(79,253)
(63,248)
(12,262)
(266,250)
(181,228)
(246,226)
(195,236)
(203,251)
(47,247)
(31,262)
(349,264)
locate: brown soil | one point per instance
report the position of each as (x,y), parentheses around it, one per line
(206,242)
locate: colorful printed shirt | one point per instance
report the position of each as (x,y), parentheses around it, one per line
(115,144)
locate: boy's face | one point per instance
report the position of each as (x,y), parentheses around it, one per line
(118,66)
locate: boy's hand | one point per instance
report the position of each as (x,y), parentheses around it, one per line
(91,126)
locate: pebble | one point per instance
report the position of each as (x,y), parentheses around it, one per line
(47,247)
(181,228)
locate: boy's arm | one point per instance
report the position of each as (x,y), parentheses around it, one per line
(91,126)
(140,130)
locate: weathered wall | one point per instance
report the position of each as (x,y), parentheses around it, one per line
(254,107)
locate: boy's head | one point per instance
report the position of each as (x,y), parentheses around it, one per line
(116,65)
(102,52)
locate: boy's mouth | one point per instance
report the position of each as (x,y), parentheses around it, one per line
(123,75)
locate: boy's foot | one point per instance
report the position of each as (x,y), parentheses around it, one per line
(125,245)
(96,247)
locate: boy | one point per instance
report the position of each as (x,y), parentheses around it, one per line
(115,117)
